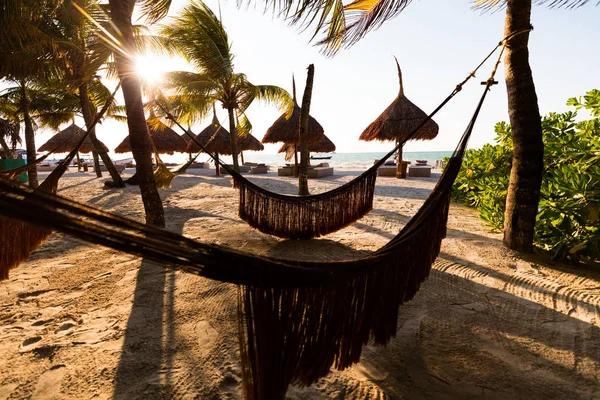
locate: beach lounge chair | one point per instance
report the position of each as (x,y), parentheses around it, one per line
(259,169)
(419,171)
(285,171)
(320,170)
(243,168)
(199,165)
(46,167)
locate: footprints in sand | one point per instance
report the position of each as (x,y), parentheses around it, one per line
(48,386)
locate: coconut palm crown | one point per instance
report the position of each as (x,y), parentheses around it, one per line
(201,37)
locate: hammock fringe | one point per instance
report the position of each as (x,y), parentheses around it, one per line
(305,217)
(295,336)
(19,239)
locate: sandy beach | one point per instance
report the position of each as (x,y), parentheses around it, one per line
(80,321)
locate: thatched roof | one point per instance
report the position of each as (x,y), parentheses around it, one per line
(186,138)
(66,140)
(166,140)
(287,130)
(399,120)
(251,143)
(220,143)
(323,145)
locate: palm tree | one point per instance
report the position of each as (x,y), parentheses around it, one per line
(121,12)
(86,54)
(200,36)
(29,102)
(344,25)
(26,50)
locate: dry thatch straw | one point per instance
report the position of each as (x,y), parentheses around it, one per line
(65,140)
(214,138)
(287,130)
(399,120)
(186,138)
(250,143)
(165,139)
(323,145)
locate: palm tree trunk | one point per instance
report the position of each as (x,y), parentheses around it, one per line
(96,164)
(303,173)
(88,115)
(399,167)
(29,138)
(234,141)
(528,148)
(121,12)
(296,171)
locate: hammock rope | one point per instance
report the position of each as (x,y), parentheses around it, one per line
(297,319)
(163,176)
(306,217)
(18,239)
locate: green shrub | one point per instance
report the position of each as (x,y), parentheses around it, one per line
(568,221)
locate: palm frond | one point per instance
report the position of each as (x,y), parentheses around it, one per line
(244,127)
(270,94)
(198,34)
(154,10)
(570,4)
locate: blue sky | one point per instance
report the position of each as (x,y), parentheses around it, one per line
(437,45)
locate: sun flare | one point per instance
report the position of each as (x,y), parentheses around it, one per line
(150,68)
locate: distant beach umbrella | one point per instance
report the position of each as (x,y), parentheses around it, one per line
(287,129)
(186,138)
(165,139)
(399,119)
(250,143)
(65,140)
(323,145)
(214,138)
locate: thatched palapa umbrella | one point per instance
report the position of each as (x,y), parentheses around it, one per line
(165,139)
(249,143)
(214,138)
(287,130)
(323,145)
(65,140)
(186,138)
(398,121)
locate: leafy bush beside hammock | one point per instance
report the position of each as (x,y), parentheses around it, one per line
(568,221)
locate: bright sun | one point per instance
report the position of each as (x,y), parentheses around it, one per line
(150,68)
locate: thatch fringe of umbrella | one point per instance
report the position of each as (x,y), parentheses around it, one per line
(214,138)
(165,139)
(398,121)
(65,140)
(323,145)
(287,130)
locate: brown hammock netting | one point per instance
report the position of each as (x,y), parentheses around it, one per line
(18,239)
(297,318)
(306,217)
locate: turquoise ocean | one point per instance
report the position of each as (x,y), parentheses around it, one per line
(346,160)
(360,161)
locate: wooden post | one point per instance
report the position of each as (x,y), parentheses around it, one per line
(303,173)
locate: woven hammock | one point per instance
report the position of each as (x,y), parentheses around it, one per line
(163,176)
(297,318)
(306,217)
(18,239)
